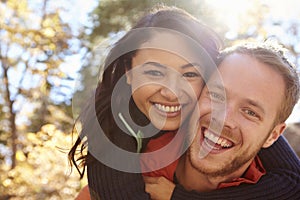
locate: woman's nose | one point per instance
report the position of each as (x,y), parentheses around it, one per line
(169,94)
(171,91)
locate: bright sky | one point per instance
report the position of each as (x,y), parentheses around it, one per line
(287,10)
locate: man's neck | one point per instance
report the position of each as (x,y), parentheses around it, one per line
(191,179)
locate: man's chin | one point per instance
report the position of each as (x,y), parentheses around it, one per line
(213,171)
(212,165)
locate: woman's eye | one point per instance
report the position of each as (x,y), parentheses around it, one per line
(153,73)
(191,74)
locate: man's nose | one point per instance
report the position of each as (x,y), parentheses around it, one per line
(230,117)
(224,116)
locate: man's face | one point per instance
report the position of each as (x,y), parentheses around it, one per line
(252,93)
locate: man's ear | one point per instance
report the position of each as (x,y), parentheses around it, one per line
(276,132)
(128,76)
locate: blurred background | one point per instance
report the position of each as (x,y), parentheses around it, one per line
(50,52)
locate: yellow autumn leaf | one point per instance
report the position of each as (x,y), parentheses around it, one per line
(20,156)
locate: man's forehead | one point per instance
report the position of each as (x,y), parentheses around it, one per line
(243,76)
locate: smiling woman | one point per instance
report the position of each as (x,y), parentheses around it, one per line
(165,86)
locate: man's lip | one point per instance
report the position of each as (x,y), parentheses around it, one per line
(216,139)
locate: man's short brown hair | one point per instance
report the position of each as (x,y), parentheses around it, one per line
(273,55)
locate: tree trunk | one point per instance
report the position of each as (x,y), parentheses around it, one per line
(12,115)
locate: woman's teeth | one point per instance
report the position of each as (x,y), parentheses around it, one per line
(217,140)
(167,108)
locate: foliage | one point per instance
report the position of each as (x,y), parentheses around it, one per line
(253,22)
(42,170)
(35,90)
(34,43)
(113,16)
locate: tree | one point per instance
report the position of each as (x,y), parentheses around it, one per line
(42,170)
(34,42)
(113,16)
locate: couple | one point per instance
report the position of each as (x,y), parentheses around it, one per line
(254,118)
(162,88)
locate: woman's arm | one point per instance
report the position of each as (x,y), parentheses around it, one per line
(109,183)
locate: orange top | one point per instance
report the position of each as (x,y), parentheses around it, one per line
(148,162)
(84,194)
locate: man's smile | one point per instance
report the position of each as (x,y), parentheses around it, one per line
(214,143)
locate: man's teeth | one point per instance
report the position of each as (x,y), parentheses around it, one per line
(220,141)
(168,108)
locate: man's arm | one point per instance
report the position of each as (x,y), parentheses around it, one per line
(280,156)
(281,185)
(282,180)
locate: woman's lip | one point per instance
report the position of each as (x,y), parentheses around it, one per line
(168,108)
(168,112)
(167,103)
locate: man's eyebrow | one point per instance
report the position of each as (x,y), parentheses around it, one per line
(256,104)
(249,101)
(216,85)
(191,65)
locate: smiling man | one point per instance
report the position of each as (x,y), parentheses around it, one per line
(259,91)
(249,122)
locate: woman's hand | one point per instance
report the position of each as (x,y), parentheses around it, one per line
(159,188)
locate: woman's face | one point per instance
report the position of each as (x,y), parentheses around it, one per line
(165,86)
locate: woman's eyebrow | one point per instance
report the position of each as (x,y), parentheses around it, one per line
(156,64)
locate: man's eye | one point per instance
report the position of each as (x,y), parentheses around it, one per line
(153,73)
(191,74)
(251,113)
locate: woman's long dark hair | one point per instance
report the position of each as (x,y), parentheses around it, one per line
(115,67)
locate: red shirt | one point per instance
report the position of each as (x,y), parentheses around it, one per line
(252,175)
(148,163)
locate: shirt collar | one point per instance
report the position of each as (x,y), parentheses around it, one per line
(252,175)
